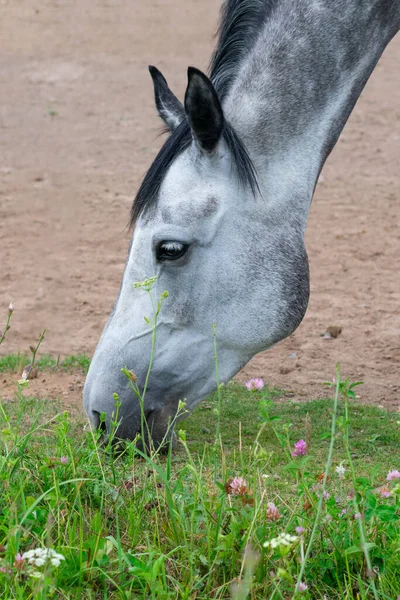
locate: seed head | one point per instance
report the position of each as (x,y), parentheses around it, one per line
(384,492)
(19,561)
(236,486)
(273,513)
(131,376)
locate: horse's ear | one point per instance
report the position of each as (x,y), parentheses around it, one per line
(169,108)
(203,110)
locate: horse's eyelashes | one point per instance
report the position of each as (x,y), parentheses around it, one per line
(170,250)
(172,246)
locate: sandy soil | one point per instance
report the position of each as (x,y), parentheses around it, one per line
(78,130)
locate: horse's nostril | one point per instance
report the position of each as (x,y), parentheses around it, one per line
(98,424)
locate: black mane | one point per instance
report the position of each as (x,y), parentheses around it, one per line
(175,144)
(241,21)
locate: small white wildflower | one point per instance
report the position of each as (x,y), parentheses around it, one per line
(40,556)
(39,562)
(291,538)
(283,539)
(340,470)
(55,562)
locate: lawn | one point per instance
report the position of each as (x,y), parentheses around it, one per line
(209,519)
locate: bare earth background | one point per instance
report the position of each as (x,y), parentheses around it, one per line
(78,130)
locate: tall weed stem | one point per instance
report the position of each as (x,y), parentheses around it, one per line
(326,474)
(219,400)
(363,539)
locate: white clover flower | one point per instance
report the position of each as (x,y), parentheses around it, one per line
(283,539)
(340,470)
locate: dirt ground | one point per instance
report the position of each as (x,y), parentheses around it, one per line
(78,129)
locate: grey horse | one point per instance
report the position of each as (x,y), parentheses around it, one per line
(221,214)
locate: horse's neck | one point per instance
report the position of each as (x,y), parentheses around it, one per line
(298,84)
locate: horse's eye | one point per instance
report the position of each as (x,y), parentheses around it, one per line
(170,250)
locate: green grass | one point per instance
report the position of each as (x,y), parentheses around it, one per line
(15,363)
(375,438)
(165,528)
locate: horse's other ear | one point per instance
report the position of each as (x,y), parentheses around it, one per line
(203,110)
(169,108)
